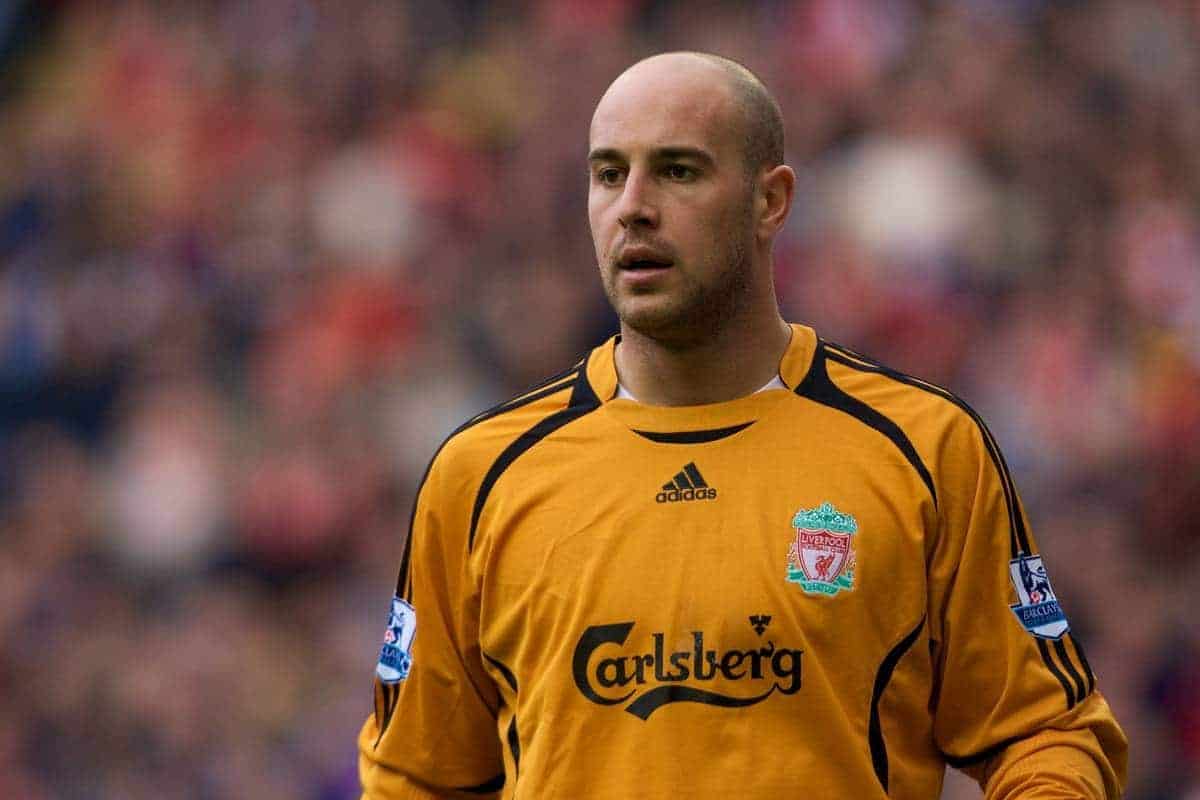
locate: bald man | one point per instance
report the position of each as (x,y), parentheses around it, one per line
(720,556)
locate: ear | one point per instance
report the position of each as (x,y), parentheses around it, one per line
(776,188)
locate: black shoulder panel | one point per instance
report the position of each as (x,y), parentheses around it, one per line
(556,383)
(583,401)
(847,357)
(818,387)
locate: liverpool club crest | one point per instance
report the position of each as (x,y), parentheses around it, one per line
(821,559)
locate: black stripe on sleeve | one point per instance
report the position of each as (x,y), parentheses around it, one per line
(1087,668)
(583,401)
(514,739)
(1044,649)
(1020,538)
(389,694)
(403,581)
(514,745)
(818,387)
(879,757)
(403,584)
(1061,648)
(693,437)
(504,671)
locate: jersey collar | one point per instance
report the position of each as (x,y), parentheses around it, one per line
(601,372)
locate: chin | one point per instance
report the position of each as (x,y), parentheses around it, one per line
(655,319)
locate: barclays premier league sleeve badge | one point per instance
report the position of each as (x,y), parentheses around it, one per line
(1037,608)
(395,659)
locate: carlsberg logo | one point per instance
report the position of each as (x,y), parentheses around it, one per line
(606,674)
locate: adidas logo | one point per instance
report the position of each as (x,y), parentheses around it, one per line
(688,484)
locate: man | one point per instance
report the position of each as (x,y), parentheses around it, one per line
(720,557)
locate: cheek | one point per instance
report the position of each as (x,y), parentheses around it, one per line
(597,204)
(735,221)
(600,224)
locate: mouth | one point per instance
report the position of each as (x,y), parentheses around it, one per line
(640,259)
(644,265)
(644,273)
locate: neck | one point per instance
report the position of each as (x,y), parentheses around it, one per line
(734,362)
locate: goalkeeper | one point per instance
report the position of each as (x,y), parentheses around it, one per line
(721,556)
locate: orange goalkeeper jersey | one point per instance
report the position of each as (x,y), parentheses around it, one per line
(827,590)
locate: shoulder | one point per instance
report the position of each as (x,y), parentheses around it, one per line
(937,431)
(482,437)
(837,368)
(919,407)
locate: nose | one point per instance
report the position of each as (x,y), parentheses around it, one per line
(637,206)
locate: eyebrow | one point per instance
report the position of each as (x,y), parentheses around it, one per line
(670,153)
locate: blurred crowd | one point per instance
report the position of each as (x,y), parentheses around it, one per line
(258,258)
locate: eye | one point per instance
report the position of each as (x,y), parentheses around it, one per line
(608,176)
(679,172)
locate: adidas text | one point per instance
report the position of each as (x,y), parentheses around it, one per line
(677,495)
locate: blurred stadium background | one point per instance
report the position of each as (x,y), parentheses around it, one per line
(258,258)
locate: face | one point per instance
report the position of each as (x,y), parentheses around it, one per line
(669,202)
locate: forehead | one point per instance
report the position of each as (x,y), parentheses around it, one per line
(649,108)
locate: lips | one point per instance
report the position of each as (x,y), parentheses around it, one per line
(637,259)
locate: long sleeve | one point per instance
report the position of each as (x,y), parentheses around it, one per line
(1016,705)
(1048,766)
(433,731)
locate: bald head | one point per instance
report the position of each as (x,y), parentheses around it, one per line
(755,110)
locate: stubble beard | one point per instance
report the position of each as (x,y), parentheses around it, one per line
(695,312)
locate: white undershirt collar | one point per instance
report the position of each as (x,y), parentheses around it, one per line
(774,383)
